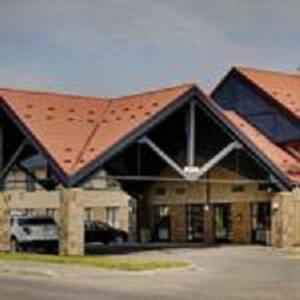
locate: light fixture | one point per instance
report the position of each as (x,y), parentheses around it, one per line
(206,207)
(275,205)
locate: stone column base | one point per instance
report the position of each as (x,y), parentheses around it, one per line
(285,219)
(71,215)
(4,223)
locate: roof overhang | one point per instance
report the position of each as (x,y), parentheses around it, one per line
(192,94)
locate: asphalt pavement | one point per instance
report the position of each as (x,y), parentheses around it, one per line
(234,273)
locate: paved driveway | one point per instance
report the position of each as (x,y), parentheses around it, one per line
(230,272)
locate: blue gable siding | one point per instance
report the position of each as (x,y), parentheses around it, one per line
(237,95)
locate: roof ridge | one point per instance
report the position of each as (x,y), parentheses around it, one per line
(275,72)
(60,94)
(154,91)
(262,137)
(104,116)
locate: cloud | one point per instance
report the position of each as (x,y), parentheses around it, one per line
(119,46)
(13,77)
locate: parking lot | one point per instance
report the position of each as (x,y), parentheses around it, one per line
(225,272)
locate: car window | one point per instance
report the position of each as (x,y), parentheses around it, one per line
(101,225)
(36,221)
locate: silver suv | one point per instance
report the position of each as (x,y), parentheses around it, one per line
(32,232)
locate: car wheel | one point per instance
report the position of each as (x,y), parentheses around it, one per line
(14,245)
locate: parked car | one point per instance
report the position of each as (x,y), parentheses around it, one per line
(33,232)
(102,232)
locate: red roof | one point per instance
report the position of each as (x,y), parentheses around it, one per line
(282,87)
(283,160)
(75,130)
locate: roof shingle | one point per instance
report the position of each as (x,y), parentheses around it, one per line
(282,87)
(283,160)
(75,130)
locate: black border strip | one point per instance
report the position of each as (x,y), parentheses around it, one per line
(129,139)
(214,108)
(33,140)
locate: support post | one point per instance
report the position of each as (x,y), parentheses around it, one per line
(209,233)
(163,155)
(191,135)
(4,223)
(285,215)
(41,182)
(217,158)
(13,160)
(71,215)
(241,222)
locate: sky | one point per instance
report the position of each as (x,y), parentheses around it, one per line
(119,47)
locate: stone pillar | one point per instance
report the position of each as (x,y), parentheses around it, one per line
(284,216)
(178,223)
(209,226)
(4,223)
(241,222)
(71,215)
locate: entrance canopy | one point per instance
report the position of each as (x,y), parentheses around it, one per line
(133,137)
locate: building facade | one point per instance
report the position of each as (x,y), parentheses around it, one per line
(116,212)
(204,169)
(209,212)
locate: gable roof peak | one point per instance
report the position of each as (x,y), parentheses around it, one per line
(249,70)
(157,90)
(7,90)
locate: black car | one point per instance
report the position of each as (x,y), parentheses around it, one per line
(100,232)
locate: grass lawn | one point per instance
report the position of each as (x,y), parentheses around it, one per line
(97,261)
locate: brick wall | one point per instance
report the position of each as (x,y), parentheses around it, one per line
(178,223)
(209,236)
(4,223)
(179,194)
(241,222)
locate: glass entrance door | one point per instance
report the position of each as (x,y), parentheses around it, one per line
(223,231)
(261,222)
(162,223)
(194,222)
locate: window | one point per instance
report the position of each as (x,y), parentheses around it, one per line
(29,212)
(180,191)
(112,183)
(30,184)
(112,216)
(162,223)
(51,212)
(160,191)
(89,214)
(264,187)
(261,222)
(238,188)
(195,222)
(36,221)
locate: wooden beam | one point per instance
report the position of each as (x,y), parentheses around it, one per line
(191,135)
(218,157)
(14,158)
(42,182)
(163,155)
